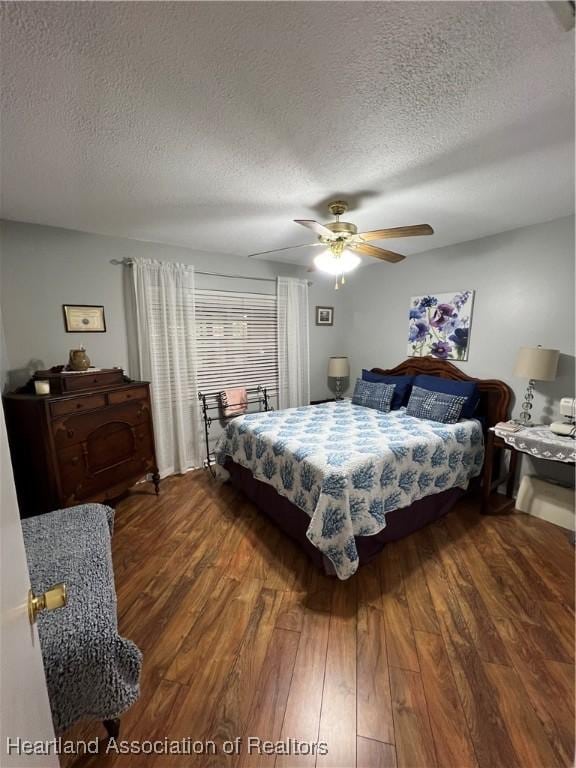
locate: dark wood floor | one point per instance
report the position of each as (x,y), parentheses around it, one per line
(455,648)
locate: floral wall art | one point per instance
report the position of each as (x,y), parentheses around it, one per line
(439,325)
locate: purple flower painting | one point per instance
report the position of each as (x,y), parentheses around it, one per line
(439,325)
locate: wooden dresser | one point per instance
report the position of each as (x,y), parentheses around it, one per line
(89,440)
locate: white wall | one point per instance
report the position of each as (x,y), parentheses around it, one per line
(45,267)
(524,296)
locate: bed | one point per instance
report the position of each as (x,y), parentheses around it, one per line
(343,479)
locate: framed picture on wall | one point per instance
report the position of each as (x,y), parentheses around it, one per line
(84,318)
(324,315)
(439,325)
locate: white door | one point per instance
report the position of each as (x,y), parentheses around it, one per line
(24,707)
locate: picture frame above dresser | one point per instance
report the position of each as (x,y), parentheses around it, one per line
(90,439)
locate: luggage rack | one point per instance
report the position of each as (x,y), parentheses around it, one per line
(214,401)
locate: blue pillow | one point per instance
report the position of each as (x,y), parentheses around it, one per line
(467,389)
(403,385)
(436,406)
(373,395)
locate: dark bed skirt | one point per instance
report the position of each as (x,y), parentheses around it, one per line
(294,521)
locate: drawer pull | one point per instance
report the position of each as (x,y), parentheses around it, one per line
(74,460)
(78,405)
(70,433)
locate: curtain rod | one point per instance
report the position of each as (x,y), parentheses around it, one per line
(212,274)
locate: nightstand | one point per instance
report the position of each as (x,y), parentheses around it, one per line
(495,444)
(318,402)
(537,441)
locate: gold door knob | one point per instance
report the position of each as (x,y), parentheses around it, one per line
(57,597)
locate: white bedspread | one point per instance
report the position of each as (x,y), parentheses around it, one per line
(347,466)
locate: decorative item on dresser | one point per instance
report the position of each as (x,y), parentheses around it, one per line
(90,439)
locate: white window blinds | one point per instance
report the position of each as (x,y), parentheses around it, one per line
(236,340)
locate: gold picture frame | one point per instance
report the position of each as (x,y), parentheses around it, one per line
(84,318)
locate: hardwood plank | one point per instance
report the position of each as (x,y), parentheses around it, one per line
(208,654)
(506,574)
(482,629)
(498,599)
(374,754)
(526,731)
(374,704)
(233,709)
(490,737)
(291,614)
(549,685)
(169,636)
(270,696)
(414,743)
(149,722)
(338,718)
(369,584)
(523,566)
(401,647)
(304,705)
(561,620)
(454,747)
(422,613)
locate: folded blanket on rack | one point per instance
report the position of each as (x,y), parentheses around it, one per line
(234,401)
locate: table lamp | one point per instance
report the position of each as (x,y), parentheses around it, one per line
(338,369)
(534,364)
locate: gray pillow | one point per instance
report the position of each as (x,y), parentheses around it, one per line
(373,395)
(436,406)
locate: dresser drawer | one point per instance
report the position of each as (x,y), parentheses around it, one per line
(124,395)
(78,381)
(106,459)
(76,404)
(77,428)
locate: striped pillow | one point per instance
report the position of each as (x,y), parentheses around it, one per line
(373,395)
(436,406)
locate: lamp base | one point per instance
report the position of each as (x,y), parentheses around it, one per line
(524,417)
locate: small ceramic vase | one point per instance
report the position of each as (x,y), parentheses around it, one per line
(79,360)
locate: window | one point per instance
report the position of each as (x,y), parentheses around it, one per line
(236,340)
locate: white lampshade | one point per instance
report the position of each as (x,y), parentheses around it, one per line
(537,363)
(338,367)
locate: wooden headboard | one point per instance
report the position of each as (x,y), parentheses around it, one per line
(495,395)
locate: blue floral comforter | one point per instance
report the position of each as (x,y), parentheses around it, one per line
(347,466)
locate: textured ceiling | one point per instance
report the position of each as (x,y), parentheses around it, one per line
(213,125)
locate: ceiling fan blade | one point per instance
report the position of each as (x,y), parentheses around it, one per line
(383,234)
(319,229)
(288,248)
(377,253)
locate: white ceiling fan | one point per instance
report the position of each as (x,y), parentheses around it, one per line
(343,242)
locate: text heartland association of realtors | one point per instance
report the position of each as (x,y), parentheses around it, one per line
(187,746)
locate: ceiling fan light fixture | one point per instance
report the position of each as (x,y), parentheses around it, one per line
(336,265)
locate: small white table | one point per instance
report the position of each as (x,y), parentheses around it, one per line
(541,443)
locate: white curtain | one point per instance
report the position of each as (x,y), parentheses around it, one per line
(164,353)
(293,343)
